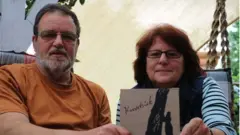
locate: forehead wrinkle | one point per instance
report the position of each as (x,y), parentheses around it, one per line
(50,21)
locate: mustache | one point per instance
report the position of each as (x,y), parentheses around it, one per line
(58,52)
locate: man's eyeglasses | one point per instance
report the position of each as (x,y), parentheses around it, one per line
(171,54)
(51,35)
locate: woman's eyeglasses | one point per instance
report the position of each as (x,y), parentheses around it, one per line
(171,54)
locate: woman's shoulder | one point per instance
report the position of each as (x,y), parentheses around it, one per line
(212,87)
(209,81)
(205,79)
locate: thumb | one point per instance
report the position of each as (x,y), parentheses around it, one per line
(122,131)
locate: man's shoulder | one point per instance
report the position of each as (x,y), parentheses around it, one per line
(15,70)
(16,67)
(92,85)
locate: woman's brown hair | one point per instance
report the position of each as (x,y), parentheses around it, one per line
(175,38)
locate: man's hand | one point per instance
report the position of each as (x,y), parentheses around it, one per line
(109,129)
(195,127)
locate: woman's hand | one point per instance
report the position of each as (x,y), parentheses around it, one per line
(195,127)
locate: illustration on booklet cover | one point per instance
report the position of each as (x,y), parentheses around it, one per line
(150,111)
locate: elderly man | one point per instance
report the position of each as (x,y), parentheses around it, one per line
(45,98)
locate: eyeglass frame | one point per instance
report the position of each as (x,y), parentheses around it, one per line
(166,54)
(72,36)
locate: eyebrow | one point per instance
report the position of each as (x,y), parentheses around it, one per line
(68,32)
(63,32)
(162,51)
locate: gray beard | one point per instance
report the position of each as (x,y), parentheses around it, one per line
(55,67)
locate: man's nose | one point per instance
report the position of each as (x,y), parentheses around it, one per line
(58,41)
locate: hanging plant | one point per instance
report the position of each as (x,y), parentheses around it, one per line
(68,3)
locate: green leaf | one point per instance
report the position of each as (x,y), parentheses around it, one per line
(29,4)
(82,2)
(61,1)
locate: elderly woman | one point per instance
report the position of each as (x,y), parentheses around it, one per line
(165,59)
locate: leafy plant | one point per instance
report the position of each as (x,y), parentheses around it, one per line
(68,3)
(234,50)
(234,55)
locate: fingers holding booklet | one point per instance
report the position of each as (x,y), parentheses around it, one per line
(111,129)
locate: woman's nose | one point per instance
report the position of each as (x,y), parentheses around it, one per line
(163,59)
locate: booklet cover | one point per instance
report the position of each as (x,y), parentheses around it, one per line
(150,111)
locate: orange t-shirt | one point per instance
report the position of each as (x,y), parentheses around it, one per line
(81,106)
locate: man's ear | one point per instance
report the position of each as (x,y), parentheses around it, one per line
(78,42)
(34,38)
(77,45)
(34,41)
